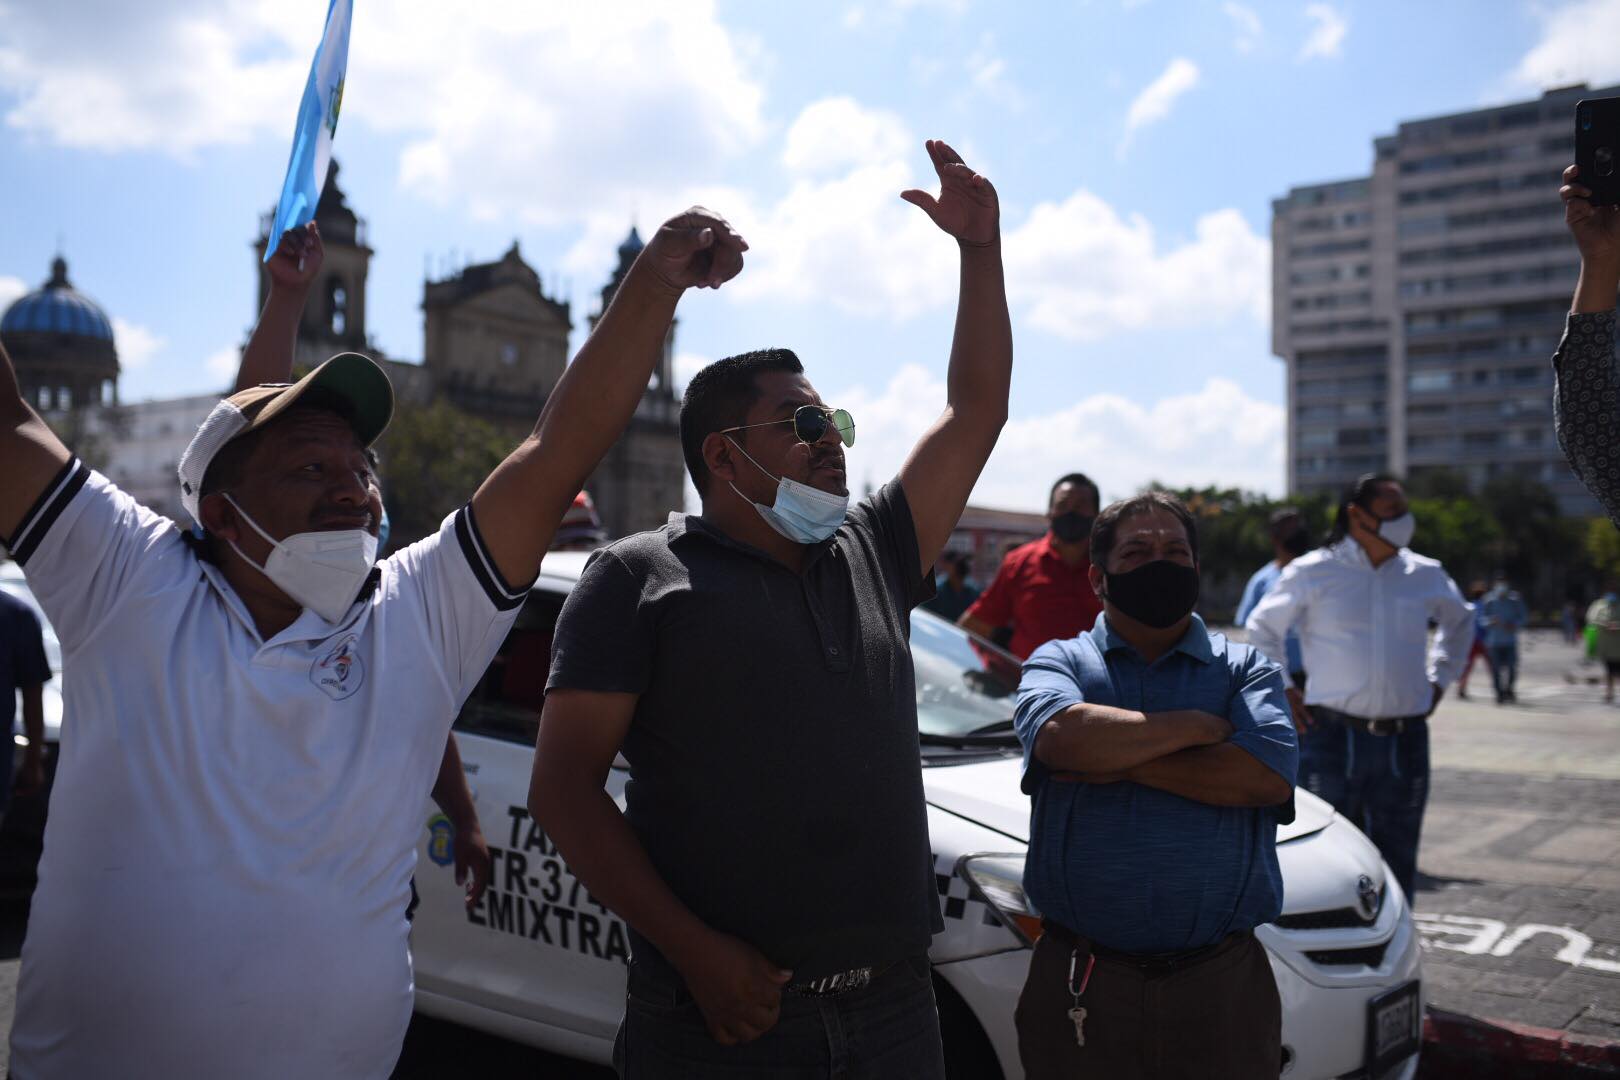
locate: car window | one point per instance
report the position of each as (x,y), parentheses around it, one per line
(964,683)
(506,702)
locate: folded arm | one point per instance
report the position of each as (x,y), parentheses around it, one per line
(519,505)
(1220,775)
(939,475)
(1095,739)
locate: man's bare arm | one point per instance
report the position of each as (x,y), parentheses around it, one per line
(1094,739)
(454,797)
(939,475)
(268,357)
(737,988)
(32,453)
(519,505)
(1219,775)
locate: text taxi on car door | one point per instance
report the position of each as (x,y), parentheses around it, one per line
(539,960)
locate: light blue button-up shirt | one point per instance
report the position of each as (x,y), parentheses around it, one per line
(1132,867)
(1255,591)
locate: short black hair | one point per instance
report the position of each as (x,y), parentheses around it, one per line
(1078,480)
(719,397)
(1361,493)
(1106,527)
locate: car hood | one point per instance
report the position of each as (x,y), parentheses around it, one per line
(986,792)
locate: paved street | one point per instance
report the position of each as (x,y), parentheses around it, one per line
(1519,897)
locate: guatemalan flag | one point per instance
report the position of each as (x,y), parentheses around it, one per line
(317,122)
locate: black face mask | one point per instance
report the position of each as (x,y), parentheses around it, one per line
(1072,526)
(1297,542)
(1156,594)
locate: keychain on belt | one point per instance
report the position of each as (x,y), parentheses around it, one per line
(1078,1013)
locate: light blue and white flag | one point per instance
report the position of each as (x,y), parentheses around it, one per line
(317,122)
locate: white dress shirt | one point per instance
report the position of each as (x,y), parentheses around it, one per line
(1364,630)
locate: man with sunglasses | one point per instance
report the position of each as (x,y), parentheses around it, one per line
(752,662)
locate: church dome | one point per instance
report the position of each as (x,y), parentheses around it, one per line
(57,308)
(631,247)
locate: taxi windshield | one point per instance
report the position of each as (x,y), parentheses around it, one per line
(965,685)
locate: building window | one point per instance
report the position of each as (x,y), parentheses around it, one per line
(337,308)
(64,397)
(509,354)
(1428,381)
(109,391)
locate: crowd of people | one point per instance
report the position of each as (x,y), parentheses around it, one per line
(258,707)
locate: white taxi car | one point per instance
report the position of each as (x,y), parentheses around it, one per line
(540,961)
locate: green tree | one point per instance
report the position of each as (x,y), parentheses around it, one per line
(433,457)
(1460,533)
(1602,544)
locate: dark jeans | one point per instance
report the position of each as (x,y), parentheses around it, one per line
(888,1029)
(1379,782)
(1504,667)
(1220,1017)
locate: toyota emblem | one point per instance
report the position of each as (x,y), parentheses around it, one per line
(1368,898)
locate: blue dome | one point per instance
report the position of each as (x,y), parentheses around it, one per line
(57,308)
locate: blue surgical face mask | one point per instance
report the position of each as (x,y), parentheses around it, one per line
(803,514)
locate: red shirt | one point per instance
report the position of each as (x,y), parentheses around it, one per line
(1040,596)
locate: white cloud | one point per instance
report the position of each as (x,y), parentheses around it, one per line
(136,344)
(1080,271)
(508,109)
(1124,444)
(1246,21)
(1326,38)
(838,132)
(1577,44)
(10,289)
(987,72)
(1156,99)
(223,362)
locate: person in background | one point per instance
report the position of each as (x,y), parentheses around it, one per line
(953,591)
(24,668)
(1042,589)
(1362,604)
(1505,615)
(1290,538)
(1586,388)
(1160,758)
(1569,622)
(1603,621)
(1476,599)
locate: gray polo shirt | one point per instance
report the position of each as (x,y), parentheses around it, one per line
(774,776)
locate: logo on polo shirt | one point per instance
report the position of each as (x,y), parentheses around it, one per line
(339,672)
(441,840)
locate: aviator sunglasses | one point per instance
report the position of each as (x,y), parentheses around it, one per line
(810,424)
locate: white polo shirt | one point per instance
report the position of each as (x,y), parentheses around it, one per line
(233,827)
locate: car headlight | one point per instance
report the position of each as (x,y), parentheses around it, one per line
(998,880)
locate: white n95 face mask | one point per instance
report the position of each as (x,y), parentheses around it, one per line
(803,514)
(1399,530)
(323,571)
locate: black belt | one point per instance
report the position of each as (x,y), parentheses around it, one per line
(1147,963)
(1378,725)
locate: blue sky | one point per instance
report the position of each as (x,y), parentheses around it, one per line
(1136,145)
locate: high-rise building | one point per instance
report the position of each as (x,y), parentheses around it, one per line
(1417,308)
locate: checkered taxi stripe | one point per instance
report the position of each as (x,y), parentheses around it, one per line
(956,899)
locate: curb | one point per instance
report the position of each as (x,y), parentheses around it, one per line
(1458,1045)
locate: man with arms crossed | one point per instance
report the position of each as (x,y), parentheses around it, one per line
(1160,758)
(753,663)
(250,735)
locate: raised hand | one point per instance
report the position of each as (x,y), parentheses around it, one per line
(967,207)
(697,249)
(1596,228)
(297,259)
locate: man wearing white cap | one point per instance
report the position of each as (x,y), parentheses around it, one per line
(252,723)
